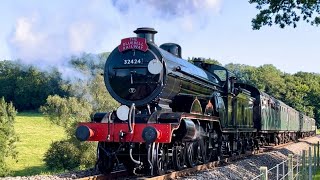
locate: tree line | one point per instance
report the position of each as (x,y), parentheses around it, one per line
(28,87)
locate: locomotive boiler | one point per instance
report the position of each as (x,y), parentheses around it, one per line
(173,113)
(150,77)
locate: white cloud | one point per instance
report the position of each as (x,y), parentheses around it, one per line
(80,34)
(46,34)
(26,39)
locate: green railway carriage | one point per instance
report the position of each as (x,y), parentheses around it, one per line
(269,116)
(313,125)
(280,110)
(288,117)
(293,119)
(307,125)
(276,121)
(243,113)
(304,121)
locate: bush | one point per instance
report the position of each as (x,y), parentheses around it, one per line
(87,153)
(7,135)
(62,155)
(67,112)
(89,95)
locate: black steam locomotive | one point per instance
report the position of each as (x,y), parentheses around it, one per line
(175,114)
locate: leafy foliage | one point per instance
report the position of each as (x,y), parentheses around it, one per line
(28,87)
(91,86)
(7,134)
(89,95)
(285,12)
(206,60)
(67,112)
(62,155)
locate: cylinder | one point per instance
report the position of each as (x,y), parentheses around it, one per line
(187,130)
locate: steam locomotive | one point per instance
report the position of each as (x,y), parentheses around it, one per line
(176,114)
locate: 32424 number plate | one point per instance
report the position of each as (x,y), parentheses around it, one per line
(132,61)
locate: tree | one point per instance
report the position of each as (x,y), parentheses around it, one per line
(68,112)
(89,95)
(205,60)
(92,87)
(7,135)
(244,73)
(285,12)
(62,155)
(28,87)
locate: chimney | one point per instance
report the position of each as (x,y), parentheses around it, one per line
(147,33)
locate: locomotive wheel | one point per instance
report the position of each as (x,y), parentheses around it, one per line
(229,148)
(217,143)
(178,156)
(256,144)
(239,147)
(105,162)
(251,144)
(192,154)
(244,145)
(207,149)
(160,158)
(276,140)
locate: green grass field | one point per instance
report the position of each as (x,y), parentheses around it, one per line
(35,136)
(317,176)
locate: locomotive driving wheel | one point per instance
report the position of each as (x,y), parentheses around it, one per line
(207,149)
(207,146)
(178,156)
(159,158)
(192,154)
(217,143)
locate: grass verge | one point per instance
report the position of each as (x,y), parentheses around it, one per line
(35,136)
(317,176)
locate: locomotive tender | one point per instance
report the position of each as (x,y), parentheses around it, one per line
(175,114)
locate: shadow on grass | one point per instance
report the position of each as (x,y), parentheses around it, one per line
(30,114)
(30,171)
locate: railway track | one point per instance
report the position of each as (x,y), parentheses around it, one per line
(112,175)
(188,171)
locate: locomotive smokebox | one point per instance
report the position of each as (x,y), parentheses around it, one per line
(147,33)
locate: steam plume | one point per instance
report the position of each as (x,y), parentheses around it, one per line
(48,34)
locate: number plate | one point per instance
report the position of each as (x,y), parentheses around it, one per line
(132,61)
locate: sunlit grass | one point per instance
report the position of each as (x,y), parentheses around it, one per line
(317,176)
(35,136)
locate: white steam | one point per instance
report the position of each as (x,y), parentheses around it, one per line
(48,34)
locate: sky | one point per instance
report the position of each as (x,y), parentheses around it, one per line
(46,33)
